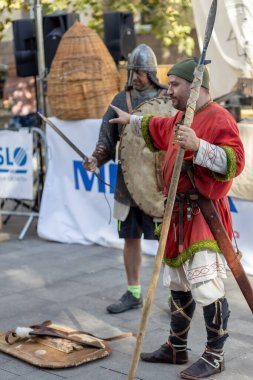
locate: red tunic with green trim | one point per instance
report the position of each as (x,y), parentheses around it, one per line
(215,125)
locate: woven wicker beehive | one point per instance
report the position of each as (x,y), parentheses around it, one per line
(83,77)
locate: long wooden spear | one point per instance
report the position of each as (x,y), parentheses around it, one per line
(189,114)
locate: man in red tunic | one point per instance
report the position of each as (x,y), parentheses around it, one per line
(194,266)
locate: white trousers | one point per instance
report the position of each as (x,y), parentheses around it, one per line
(203,275)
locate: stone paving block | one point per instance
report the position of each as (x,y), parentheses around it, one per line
(5,375)
(54,293)
(19,279)
(18,304)
(4,358)
(118,362)
(40,374)
(89,279)
(90,371)
(17,367)
(87,370)
(151,371)
(125,346)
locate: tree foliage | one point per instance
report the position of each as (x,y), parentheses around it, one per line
(169,20)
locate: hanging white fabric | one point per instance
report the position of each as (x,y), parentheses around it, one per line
(231,46)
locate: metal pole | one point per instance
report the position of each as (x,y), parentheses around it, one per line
(41,79)
(41,86)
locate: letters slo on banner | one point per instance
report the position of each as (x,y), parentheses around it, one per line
(16,169)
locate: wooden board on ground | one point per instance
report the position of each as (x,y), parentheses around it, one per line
(50,352)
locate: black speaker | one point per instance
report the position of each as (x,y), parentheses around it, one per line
(25,44)
(25,47)
(53,29)
(119,34)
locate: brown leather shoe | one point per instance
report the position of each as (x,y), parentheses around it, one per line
(166,354)
(209,364)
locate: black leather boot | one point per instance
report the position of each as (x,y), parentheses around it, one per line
(166,354)
(175,350)
(212,361)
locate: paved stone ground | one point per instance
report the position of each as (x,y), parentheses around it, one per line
(73,284)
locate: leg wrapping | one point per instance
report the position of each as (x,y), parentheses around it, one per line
(182,310)
(216,318)
(175,350)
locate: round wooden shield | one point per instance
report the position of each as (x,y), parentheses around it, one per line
(142,169)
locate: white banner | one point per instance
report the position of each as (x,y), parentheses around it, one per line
(76,207)
(242,187)
(242,212)
(16,169)
(231,45)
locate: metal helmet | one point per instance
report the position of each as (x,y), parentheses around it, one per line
(143,58)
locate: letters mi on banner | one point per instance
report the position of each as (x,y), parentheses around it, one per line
(16,169)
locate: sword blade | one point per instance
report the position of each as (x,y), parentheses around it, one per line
(64,137)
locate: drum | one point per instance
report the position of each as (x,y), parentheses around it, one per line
(142,169)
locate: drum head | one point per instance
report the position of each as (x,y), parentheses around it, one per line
(142,169)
